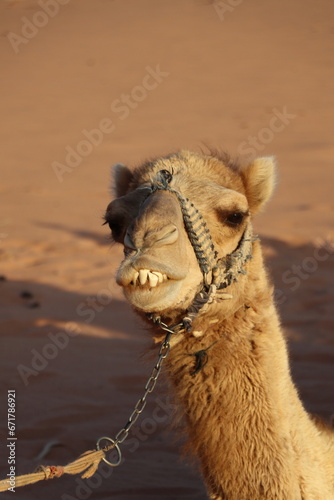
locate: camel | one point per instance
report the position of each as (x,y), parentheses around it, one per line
(192,263)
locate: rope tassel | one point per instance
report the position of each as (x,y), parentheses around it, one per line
(86,465)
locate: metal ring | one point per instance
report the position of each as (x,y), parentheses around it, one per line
(116,447)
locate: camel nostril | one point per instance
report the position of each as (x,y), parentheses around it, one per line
(166,236)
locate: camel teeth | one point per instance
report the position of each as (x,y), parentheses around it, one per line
(143,274)
(135,277)
(159,275)
(153,279)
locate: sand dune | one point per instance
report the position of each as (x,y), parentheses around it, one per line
(87,84)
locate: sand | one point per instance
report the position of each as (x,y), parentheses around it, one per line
(86,84)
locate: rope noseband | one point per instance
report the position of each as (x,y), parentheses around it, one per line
(218,274)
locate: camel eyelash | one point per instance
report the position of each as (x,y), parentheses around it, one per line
(232,218)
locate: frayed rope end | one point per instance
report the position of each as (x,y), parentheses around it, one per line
(86,464)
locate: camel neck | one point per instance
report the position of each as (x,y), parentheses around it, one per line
(236,405)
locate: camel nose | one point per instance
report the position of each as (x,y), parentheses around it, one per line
(166,235)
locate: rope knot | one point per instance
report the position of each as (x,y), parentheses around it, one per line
(51,471)
(161,180)
(187,324)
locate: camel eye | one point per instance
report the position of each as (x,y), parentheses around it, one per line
(235,219)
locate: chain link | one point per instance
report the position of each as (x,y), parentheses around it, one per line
(141,403)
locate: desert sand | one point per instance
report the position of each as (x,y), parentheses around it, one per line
(86,84)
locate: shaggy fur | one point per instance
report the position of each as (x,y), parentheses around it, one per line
(245,421)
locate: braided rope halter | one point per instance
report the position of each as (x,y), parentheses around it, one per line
(218,274)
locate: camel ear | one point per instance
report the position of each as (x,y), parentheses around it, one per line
(259,177)
(121,178)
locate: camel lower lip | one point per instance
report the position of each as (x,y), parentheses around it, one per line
(150,299)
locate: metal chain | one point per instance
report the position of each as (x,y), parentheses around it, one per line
(141,403)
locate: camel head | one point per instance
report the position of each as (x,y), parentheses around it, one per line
(161,271)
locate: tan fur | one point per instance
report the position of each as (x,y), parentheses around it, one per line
(244,418)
